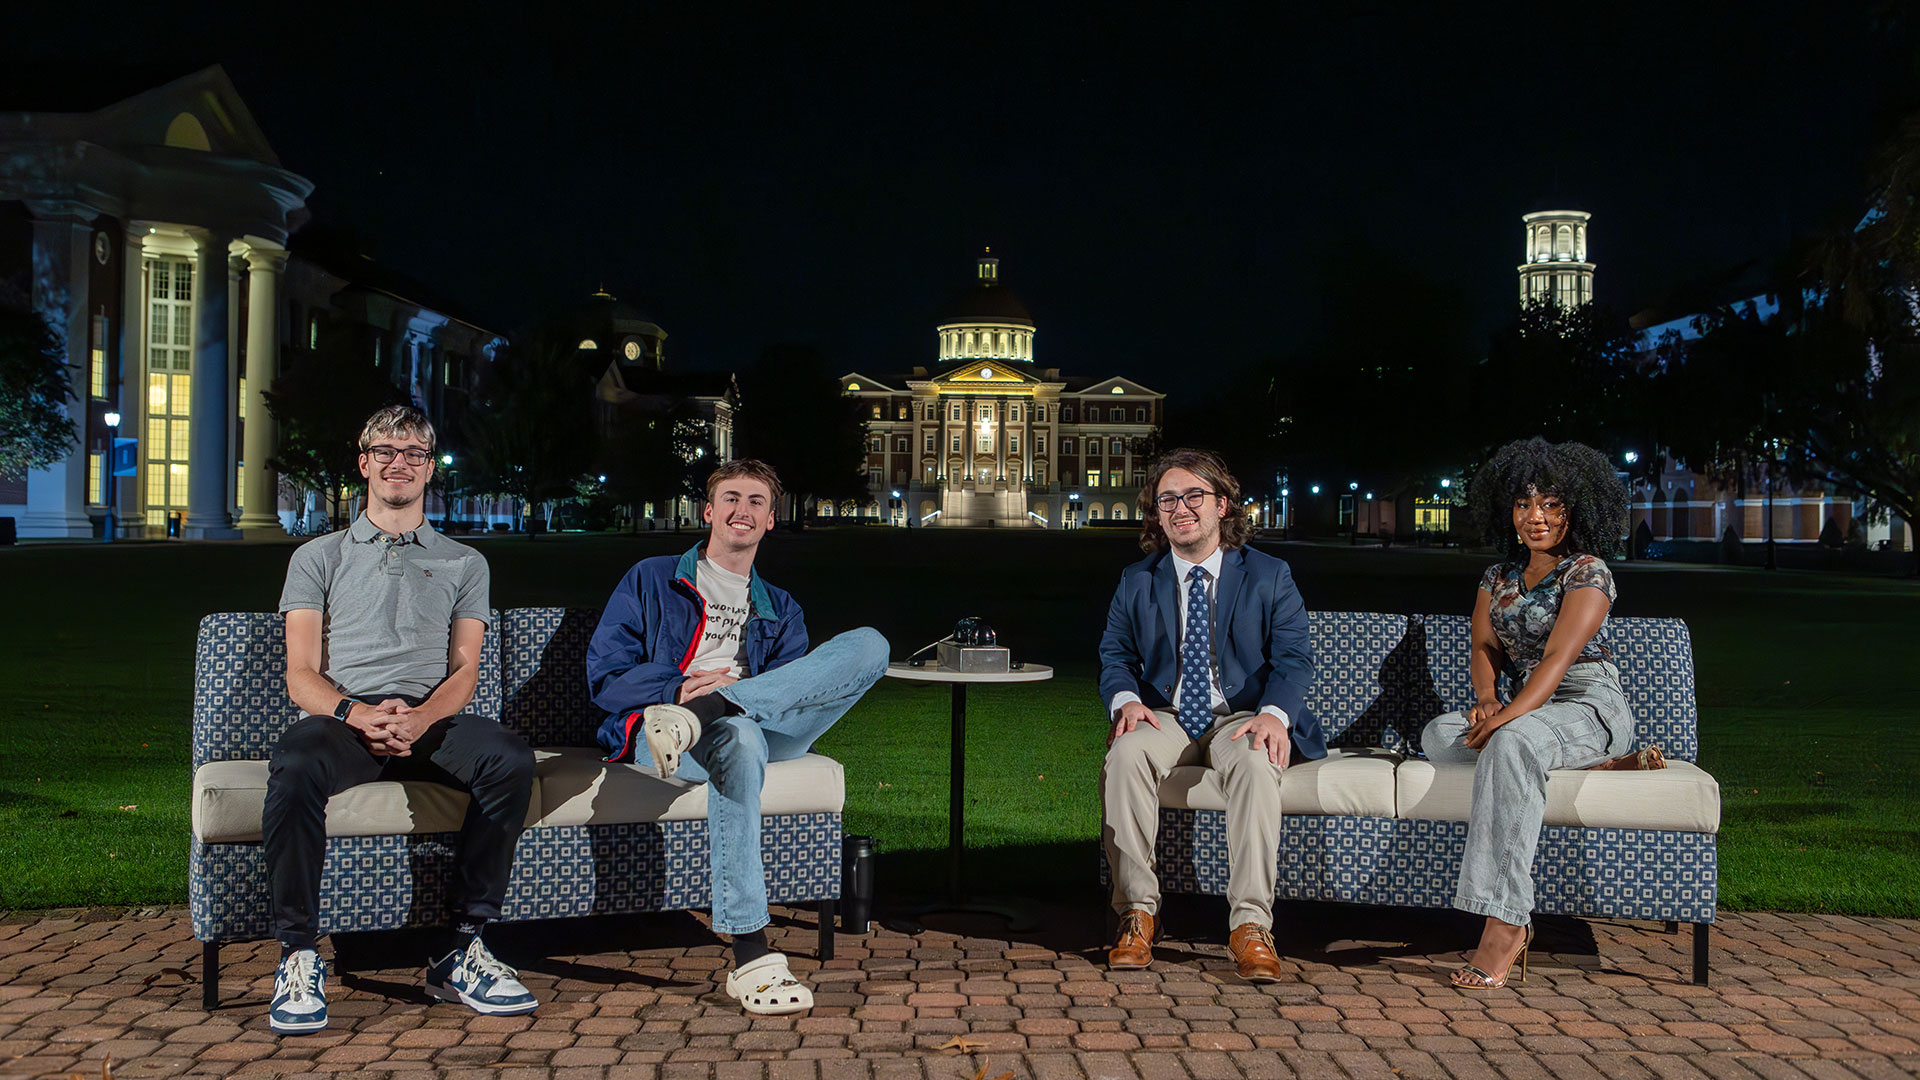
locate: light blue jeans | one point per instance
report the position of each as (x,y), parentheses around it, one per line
(786,709)
(1584,723)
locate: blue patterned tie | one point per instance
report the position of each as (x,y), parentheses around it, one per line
(1196,687)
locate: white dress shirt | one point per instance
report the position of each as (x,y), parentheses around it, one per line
(1182,571)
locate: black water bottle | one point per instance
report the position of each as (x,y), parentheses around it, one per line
(856,884)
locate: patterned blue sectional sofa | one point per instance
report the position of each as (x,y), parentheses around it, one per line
(602,839)
(1376,823)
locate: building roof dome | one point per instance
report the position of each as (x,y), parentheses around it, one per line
(986,299)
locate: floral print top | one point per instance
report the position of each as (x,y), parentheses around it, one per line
(1523,618)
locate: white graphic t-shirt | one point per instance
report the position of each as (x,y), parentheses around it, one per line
(723,640)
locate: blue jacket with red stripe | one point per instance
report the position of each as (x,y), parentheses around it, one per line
(650,629)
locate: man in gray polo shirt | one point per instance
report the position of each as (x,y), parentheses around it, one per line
(385,621)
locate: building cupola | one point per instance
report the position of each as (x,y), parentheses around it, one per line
(986,321)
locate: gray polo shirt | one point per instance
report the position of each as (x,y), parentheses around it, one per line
(388,605)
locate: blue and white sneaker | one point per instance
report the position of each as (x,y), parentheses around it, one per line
(299,994)
(480,982)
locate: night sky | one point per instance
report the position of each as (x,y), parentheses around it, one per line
(1171,191)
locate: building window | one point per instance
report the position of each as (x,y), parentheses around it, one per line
(1113,478)
(1015,413)
(900,413)
(1119,511)
(1139,478)
(932,446)
(873,478)
(1093,478)
(956,445)
(985,443)
(96,478)
(97,365)
(1013,444)
(1116,446)
(1040,473)
(1039,414)
(1140,416)
(986,412)
(900,445)
(313,333)
(956,411)
(876,410)
(1066,414)
(1067,445)
(1093,512)
(874,444)
(169,365)
(1119,414)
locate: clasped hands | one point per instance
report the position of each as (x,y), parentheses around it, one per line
(388,729)
(701,683)
(1263,728)
(1485,718)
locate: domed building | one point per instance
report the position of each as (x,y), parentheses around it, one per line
(984,436)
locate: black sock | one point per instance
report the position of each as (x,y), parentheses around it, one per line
(462,932)
(711,707)
(749,947)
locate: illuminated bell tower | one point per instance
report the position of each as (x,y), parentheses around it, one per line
(1556,263)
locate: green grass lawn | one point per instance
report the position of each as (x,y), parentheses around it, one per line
(1808,713)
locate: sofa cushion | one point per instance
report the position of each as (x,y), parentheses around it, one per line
(1681,796)
(1356,783)
(577,788)
(228,797)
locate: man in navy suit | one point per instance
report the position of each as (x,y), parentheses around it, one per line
(1205,661)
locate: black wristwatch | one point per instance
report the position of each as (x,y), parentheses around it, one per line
(342,710)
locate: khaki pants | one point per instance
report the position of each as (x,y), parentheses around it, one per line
(1130,799)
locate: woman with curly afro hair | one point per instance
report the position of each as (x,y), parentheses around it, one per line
(1540,616)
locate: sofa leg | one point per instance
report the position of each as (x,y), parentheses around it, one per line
(826,930)
(1673,926)
(209,975)
(1701,931)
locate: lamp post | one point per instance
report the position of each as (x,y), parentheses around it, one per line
(113,432)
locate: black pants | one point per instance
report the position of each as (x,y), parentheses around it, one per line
(320,757)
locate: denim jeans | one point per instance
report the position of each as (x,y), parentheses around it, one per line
(1584,723)
(785,710)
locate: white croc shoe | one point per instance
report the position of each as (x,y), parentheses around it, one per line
(671,731)
(766,987)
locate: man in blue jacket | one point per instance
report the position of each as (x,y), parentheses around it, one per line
(1205,661)
(703,670)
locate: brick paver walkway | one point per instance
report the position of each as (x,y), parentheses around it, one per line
(1365,997)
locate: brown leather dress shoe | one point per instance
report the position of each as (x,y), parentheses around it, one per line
(1252,947)
(1135,947)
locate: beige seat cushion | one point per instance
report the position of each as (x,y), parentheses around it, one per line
(228,797)
(1681,796)
(1357,783)
(577,788)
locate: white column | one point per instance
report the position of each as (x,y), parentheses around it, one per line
(208,513)
(236,278)
(130,492)
(1000,414)
(62,239)
(967,447)
(261,507)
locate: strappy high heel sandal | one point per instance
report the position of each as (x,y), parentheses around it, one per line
(1645,759)
(1469,977)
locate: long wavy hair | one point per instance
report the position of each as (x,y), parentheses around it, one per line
(1206,465)
(1580,475)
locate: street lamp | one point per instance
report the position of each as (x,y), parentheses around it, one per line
(113,431)
(1630,456)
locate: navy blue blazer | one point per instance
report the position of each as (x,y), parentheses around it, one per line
(1259,632)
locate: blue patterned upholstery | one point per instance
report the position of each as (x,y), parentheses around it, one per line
(1380,679)
(545,656)
(240,710)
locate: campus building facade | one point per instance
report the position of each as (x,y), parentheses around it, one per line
(153,233)
(984,436)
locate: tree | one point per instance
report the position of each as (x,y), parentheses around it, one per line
(658,456)
(794,416)
(35,428)
(536,436)
(1564,374)
(322,402)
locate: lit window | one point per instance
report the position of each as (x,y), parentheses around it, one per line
(1093,512)
(1119,390)
(1113,478)
(97,373)
(956,411)
(853,386)
(313,332)
(1093,477)
(96,478)
(589,343)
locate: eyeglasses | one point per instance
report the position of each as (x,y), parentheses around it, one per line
(385,454)
(1168,502)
